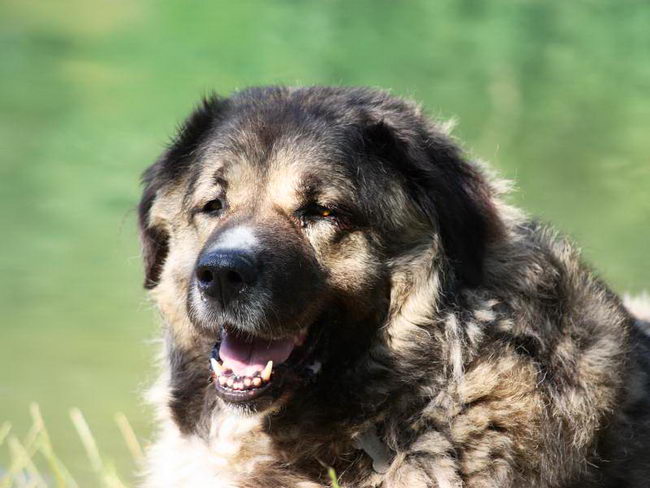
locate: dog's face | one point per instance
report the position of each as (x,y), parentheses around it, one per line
(275,224)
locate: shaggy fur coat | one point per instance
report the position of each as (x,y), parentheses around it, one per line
(517,368)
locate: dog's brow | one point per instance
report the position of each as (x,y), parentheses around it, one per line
(218,178)
(313,186)
(191,189)
(310,187)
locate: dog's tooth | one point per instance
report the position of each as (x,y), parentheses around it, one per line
(266,373)
(257,382)
(230,382)
(223,380)
(216,367)
(247,382)
(238,385)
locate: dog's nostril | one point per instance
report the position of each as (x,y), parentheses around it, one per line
(234,278)
(223,274)
(205,276)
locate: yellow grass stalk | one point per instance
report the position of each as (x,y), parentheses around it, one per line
(105,472)
(22,461)
(60,472)
(5,428)
(130,438)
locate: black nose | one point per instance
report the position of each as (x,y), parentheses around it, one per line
(223,274)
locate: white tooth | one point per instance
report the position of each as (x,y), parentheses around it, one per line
(266,373)
(216,367)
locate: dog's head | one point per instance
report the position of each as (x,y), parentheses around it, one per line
(274,225)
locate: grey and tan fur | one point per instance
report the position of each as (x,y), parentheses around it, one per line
(472,340)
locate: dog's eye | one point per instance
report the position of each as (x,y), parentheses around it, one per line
(323,212)
(213,207)
(314,212)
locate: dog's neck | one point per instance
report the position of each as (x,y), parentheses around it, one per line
(235,436)
(242,443)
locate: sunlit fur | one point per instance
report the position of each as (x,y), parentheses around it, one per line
(473,339)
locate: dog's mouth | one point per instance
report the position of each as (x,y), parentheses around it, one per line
(245,367)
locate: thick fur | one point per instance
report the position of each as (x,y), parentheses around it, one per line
(473,340)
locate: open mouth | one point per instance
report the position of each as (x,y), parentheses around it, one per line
(245,367)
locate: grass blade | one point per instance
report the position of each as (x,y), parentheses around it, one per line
(105,472)
(59,471)
(332,475)
(4,432)
(23,462)
(87,440)
(129,436)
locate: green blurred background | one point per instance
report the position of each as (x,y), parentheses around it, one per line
(556,94)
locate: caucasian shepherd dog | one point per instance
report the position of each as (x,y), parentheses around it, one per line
(342,288)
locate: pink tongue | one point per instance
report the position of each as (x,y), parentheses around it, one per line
(248,356)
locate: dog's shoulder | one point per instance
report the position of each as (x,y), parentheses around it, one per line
(536,367)
(548,370)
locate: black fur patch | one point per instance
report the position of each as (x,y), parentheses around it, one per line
(449,190)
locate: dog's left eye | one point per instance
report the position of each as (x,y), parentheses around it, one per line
(213,207)
(314,211)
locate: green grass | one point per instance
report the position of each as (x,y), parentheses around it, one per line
(332,475)
(33,461)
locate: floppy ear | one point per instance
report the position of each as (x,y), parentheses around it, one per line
(466,211)
(450,191)
(154,240)
(171,165)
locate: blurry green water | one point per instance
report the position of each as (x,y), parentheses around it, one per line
(555,94)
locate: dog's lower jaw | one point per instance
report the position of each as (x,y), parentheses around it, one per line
(244,410)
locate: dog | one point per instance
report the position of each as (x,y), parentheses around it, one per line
(343,291)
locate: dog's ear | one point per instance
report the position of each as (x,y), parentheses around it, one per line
(450,191)
(169,167)
(465,206)
(154,239)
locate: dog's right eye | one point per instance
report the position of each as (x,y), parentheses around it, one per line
(213,207)
(313,212)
